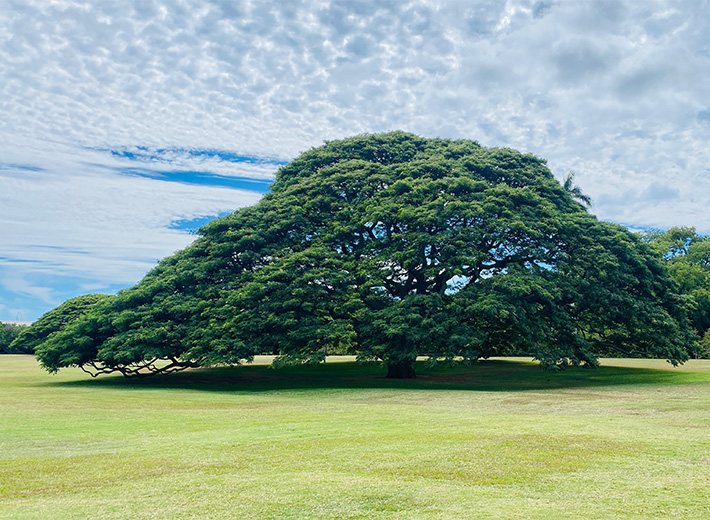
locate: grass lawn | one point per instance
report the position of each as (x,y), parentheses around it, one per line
(498,440)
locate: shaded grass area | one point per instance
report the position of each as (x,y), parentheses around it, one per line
(500,439)
(496,375)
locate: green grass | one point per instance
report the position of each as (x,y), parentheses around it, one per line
(498,440)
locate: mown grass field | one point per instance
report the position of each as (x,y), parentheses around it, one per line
(498,440)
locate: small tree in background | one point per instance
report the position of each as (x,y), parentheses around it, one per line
(575,191)
(8,333)
(687,257)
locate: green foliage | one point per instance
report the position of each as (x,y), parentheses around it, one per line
(687,256)
(8,333)
(57,319)
(704,350)
(392,246)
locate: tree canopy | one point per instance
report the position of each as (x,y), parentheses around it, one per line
(392,246)
(53,321)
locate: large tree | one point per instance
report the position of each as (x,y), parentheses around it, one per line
(392,246)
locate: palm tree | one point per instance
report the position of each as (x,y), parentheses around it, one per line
(575,191)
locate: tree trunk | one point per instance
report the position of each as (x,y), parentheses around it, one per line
(401,370)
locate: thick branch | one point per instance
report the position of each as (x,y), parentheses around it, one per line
(141,369)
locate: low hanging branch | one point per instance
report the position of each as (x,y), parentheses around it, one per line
(145,368)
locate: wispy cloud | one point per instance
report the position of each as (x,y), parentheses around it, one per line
(20,167)
(64,232)
(87,223)
(208,162)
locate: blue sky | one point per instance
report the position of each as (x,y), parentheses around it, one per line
(126,125)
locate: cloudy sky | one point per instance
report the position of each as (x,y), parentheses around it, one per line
(125,125)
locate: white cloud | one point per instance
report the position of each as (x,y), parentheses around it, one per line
(20,286)
(104,226)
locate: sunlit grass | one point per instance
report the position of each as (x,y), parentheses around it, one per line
(501,439)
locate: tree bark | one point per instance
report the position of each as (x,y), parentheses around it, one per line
(402,370)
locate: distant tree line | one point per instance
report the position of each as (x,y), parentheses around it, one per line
(686,255)
(8,333)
